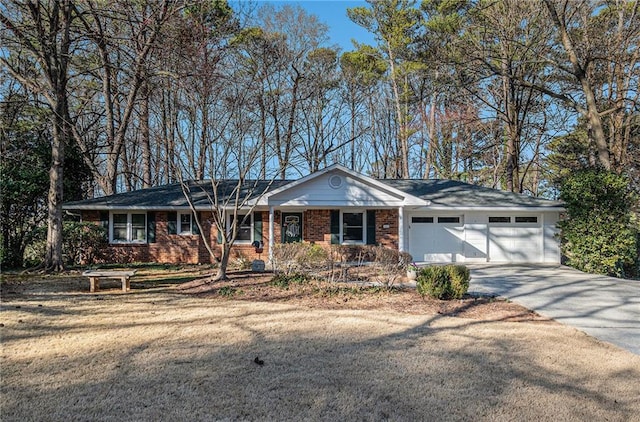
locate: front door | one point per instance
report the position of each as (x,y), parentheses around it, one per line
(291,227)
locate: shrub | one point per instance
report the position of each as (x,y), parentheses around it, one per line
(391,264)
(241,261)
(82,244)
(460,276)
(228,291)
(443,282)
(295,257)
(600,234)
(284,280)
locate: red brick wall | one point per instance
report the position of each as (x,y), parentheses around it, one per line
(277,227)
(191,248)
(172,248)
(167,248)
(317,226)
(387,237)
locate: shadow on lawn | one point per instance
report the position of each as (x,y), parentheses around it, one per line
(331,368)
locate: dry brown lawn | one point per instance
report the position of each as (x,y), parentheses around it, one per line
(178,348)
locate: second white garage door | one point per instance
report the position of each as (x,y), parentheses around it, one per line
(515,239)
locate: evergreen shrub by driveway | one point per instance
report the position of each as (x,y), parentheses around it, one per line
(443,282)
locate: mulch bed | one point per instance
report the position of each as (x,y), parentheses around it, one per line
(248,286)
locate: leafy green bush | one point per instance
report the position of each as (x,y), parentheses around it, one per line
(460,277)
(443,282)
(82,244)
(599,235)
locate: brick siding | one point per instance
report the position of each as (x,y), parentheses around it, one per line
(317,226)
(387,236)
(191,249)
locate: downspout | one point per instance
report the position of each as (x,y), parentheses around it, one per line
(271,234)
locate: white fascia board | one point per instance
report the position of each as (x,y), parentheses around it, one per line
(156,208)
(494,209)
(339,204)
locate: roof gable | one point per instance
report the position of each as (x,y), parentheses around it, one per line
(338,186)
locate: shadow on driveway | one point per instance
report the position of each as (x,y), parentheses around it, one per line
(607,308)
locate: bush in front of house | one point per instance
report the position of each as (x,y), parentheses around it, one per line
(289,258)
(82,244)
(443,282)
(283,280)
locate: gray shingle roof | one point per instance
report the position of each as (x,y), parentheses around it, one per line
(453,193)
(441,193)
(171,196)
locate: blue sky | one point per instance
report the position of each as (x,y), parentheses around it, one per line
(334,14)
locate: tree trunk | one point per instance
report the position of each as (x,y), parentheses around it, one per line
(288,145)
(591,113)
(53,255)
(402,129)
(432,136)
(511,122)
(221,274)
(146,141)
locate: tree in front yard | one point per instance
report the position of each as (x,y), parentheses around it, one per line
(600,234)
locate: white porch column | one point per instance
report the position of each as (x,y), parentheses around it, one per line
(271,235)
(401,245)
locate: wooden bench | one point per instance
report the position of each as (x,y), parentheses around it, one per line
(96,275)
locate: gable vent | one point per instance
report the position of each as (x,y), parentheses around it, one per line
(335,181)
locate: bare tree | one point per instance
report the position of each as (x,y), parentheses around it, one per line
(124,35)
(395,24)
(234,187)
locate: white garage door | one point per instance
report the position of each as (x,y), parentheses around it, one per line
(436,238)
(515,239)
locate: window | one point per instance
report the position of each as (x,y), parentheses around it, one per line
(499,219)
(527,219)
(129,228)
(120,229)
(448,219)
(422,219)
(184,224)
(353,227)
(244,229)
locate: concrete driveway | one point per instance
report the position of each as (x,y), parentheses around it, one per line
(604,307)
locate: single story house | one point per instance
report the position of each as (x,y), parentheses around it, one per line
(433,220)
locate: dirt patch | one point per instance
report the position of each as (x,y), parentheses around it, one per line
(178,348)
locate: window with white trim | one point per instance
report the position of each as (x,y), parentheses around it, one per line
(353,227)
(185,222)
(244,228)
(128,227)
